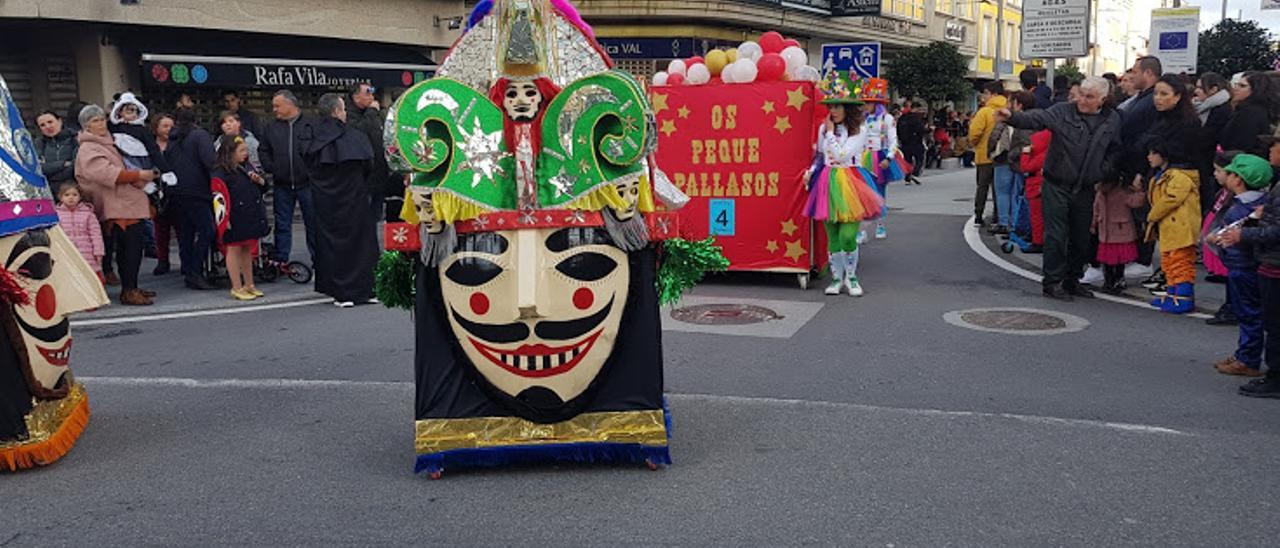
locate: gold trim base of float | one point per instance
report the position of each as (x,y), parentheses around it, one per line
(638,427)
(54,426)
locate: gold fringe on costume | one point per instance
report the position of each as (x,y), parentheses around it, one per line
(639,427)
(54,427)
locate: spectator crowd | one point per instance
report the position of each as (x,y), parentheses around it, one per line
(129,178)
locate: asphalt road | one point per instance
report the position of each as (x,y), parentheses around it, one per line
(876,424)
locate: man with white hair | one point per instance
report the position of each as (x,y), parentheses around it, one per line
(1086,146)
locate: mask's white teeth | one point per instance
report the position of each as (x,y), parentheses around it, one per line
(508,359)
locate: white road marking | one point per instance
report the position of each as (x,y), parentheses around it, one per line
(196,313)
(278,384)
(974,239)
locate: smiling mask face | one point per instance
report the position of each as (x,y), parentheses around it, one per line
(537,311)
(59,283)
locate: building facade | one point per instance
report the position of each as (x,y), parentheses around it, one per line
(643,35)
(53,52)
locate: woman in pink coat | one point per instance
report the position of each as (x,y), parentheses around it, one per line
(120,199)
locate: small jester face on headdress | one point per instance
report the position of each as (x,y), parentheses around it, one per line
(630,192)
(537,311)
(426,210)
(522,100)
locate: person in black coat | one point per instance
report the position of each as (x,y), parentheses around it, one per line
(190,154)
(56,147)
(246,218)
(1255,110)
(1213,104)
(366,116)
(911,135)
(339,160)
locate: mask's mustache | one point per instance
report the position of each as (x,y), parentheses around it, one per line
(549,330)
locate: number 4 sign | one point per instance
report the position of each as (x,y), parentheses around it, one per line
(722,218)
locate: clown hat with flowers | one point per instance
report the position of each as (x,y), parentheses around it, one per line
(875,90)
(838,89)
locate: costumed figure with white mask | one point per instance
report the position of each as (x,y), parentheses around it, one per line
(840,191)
(882,158)
(544,257)
(43,279)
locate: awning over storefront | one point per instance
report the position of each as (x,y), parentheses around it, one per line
(259,72)
(658,48)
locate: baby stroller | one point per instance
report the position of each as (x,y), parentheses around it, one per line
(1020,232)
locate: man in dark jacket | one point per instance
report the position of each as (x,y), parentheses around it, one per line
(1086,143)
(280,149)
(1137,118)
(1030,81)
(366,117)
(248,120)
(911,134)
(190,155)
(339,160)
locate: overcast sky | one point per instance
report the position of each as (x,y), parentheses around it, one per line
(1211,13)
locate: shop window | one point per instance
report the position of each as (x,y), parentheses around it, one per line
(988,36)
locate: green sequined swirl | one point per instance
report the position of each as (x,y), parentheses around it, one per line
(598,130)
(449,136)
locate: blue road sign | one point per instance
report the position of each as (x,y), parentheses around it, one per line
(861,58)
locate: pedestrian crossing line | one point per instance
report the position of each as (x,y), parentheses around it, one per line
(974,239)
(196,313)
(287,384)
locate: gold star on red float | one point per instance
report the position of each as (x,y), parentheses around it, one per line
(796,98)
(768,107)
(794,250)
(789,228)
(659,103)
(668,127)
(782,124)
(772,246)
(683,112)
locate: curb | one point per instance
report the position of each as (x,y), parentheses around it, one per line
(974,239)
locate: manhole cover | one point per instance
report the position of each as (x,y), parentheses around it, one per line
(1016,321)
(724,314)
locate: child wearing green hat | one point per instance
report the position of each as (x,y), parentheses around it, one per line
(1247,177)
(1263,235)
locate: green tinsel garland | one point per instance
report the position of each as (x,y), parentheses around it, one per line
(684,263)
(395,282)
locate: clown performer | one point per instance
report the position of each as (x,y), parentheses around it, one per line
(537,284)
(43,410)
(882,157)
(840,192)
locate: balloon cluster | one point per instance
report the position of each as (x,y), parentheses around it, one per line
(772,59)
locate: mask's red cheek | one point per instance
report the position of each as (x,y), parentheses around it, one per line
(46,302)
(583,298)
(479,304)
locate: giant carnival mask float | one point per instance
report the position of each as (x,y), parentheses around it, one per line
(43,409)
(536,290)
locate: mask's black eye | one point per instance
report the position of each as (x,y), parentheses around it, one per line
(568,238)
(37,267)
(587,266)
(473,271)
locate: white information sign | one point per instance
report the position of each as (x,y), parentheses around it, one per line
(1054,28)
(1175,38)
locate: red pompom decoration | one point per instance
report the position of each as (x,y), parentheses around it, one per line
(675,80)
(11,291)
(772,67)
(772,42)
(696,60)
(790,42)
